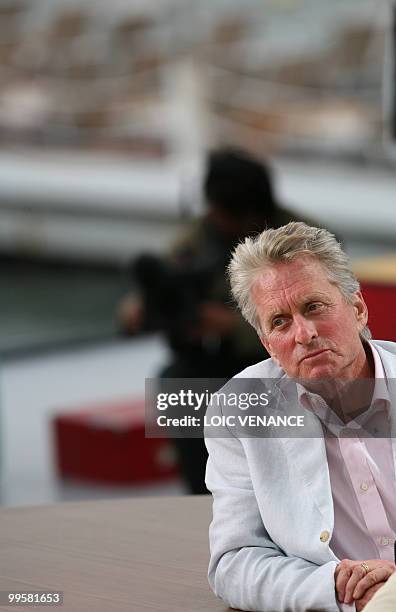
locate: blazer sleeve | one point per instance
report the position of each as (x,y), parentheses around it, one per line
(247,569)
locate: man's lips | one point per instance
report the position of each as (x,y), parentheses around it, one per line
(314,354)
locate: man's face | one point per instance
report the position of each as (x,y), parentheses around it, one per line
(308,327)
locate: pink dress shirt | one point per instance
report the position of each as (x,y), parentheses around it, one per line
(362,476)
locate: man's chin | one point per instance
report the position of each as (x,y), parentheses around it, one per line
(317,373)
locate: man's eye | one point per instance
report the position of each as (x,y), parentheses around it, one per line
(277,322)
(314,306)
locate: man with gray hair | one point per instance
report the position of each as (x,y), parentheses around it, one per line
(306,524)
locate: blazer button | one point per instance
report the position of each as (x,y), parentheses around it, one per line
(324,536)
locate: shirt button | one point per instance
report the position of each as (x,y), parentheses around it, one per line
(364,486)
(385,541)
(324,536)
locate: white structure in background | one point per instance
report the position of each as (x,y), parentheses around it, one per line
(186,114)
(108,208)
(105,210)
(86,206)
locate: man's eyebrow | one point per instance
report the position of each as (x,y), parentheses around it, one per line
(314,297)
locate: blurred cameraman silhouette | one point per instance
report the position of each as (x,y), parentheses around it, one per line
(187,296)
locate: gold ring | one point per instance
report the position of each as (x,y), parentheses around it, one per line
(365,567)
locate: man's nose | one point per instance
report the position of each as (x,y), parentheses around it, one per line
(305,330)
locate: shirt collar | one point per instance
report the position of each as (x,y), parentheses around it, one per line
(380,399)
(380,387)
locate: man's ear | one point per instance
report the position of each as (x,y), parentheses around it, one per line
(360,309)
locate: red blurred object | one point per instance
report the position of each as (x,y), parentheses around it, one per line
(381,303)
(107,444)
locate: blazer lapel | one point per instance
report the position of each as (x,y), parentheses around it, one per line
(307,453)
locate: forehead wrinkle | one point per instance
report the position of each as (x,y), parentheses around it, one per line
(283,281)
(284,276)
(262,293)
(305,293)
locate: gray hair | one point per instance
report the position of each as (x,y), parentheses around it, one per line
(284,244)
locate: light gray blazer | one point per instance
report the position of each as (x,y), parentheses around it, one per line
(273,514)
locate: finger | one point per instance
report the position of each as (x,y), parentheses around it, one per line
(342,578)
(379,574)
(358,573)
(363,601)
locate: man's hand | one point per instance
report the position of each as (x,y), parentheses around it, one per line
(130,314)
(352,581)
(363,601)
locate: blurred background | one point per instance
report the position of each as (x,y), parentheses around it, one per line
(107,113)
